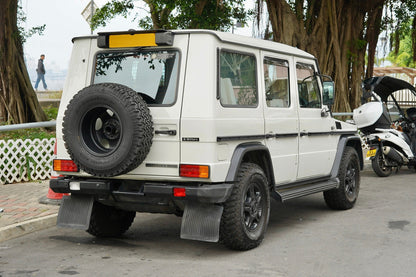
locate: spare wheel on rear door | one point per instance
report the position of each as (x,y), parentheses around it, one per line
(107,129)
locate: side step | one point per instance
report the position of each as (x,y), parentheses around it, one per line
(303,189)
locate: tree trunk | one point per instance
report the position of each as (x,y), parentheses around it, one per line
(333,31)
(18,101)
(375,15)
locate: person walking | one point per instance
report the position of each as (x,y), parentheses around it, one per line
(41,73)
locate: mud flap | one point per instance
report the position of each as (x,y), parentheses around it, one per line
(75,212)
(201,221)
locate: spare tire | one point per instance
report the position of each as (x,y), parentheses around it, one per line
(107,129)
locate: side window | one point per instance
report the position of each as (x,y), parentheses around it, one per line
(237,82)
(308,88)
(276,80)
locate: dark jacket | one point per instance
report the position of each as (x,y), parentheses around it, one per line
(41,67)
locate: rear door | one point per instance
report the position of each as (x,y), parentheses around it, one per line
(156,74)
(281,117)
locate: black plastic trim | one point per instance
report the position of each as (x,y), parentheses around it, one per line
(302,182)
(206,193)
(343,142)
(233,138)
(277,135)
(238,156)
(306,187)
(92,186)
(267,136)
(166,132)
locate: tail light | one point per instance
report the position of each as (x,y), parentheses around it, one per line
(194,171)
(61,165)
(54,174)
(64,165)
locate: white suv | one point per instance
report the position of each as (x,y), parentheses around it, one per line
(205,125)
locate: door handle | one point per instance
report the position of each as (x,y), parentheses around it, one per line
(270,135)
(166,132)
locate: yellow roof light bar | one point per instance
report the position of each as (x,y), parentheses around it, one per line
(132,39)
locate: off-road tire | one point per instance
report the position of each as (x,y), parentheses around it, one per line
(107,129)
(378,165)
(108,221)
(345,196)
(246,213)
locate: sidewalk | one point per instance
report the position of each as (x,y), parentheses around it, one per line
(21,212)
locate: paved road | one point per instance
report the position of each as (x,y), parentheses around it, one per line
(304,238)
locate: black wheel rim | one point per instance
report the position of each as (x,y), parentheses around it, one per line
(101,131)
(253,211)
(351,181)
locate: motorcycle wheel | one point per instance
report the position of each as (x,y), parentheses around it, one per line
(378,166)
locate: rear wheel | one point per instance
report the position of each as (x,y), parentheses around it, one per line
(379,166)
(108,221)
(246,212)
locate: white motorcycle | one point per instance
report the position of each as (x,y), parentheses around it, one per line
(392,142)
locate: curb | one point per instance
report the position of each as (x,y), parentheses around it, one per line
(26,227)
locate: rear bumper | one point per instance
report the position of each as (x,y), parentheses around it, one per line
(206,193)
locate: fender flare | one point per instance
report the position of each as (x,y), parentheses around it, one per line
(238,156)
(347,140)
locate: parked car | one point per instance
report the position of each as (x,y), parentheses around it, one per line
(205,125)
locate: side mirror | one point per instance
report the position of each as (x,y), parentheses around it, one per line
(325,111)
(329,93)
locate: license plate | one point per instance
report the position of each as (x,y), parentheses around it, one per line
(371,153)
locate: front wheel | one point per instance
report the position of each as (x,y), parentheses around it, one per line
(378,165)
(246,212)
(345,196)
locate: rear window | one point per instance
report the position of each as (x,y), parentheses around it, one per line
(152,73)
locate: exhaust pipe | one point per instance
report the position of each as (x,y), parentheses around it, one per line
(395,155)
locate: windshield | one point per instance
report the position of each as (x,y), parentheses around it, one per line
(153,74)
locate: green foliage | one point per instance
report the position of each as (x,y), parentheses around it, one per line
(28,160)
(180,14)
(111,10)
(213,16)
(403,38)
(51,112)
(25,34)
(34,133)
(403,57)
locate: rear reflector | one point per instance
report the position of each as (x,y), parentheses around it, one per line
(55,175)
(65,165)
(179,192)
(194,171)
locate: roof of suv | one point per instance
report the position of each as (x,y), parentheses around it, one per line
(237,39)
(253,42)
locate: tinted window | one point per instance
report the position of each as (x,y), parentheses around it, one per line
(276,80)
(153,74)
(238,85)
(309,94)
